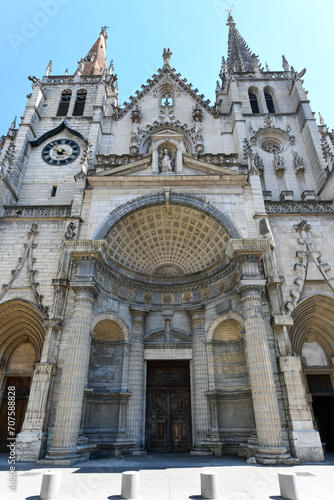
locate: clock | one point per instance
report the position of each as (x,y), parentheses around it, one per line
(60,152)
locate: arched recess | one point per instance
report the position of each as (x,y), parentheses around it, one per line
(230,396)
(21,341)
(107,378)
(312,337)
(159,199)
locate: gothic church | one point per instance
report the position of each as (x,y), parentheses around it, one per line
(167,266)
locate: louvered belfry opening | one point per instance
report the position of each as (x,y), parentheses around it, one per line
(79,105)
(64,103)
(253,102)
(269,102)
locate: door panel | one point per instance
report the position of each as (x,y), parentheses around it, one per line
(168,424)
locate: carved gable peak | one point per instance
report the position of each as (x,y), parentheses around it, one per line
(166,76)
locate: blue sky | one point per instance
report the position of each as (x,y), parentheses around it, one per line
(35,31)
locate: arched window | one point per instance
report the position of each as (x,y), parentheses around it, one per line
(79,105)
(269,101)
(253,102)
(64,103)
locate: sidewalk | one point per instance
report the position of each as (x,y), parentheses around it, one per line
(170,477)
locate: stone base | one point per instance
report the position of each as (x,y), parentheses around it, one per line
(279,460)
(199,451)
(67,456)
(272,455)
(30,445)
(306,445)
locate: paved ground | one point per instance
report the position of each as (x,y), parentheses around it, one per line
(170,477)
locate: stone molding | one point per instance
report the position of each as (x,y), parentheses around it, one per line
(299,207)
(36,211)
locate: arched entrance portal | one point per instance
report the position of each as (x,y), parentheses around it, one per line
(313,338)
(21,338)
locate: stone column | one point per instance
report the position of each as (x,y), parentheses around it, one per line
(266,411)
(32,438)
(200,410)
(136,383)
(69,409)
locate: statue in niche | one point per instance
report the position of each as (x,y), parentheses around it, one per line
(166,161)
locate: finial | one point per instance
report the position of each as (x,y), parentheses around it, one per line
(104,31)
(166,55)
(267,67)
(285,64)
(66,71)
(111,67)
(230,19)
(48,69)
(322,121)
(13,125)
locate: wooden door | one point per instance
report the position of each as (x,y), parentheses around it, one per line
(22,388)
(321,388)
(168,423)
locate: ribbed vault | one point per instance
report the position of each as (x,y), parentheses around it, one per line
(314,316)
(171,240)
(20,321)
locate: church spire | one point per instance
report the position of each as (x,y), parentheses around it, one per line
(239,57)
(95,61)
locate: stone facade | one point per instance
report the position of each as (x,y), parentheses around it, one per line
(166,266)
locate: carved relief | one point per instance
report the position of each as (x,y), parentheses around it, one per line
(167,298)
(187,297)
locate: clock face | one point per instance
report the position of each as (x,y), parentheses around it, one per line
(60,152)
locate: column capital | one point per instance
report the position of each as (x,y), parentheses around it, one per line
(196,312)
(255,247)
(138,311)
(251,287)
(84,290)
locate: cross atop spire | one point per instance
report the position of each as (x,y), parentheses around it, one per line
(240,58)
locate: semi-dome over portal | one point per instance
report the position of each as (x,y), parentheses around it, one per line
(167,240)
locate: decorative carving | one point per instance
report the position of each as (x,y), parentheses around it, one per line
(148,297)
(70,231)
(221,287)
(326,150)
(270,146)
(167,298)
(258,162)
(166,55)
(131,293)
(100,279)
(298,163)
(279,163)
(114,287)
(249,156)
(37,211)
(166,160)
(187,297)
(295,207)
(205,293)
(28,257)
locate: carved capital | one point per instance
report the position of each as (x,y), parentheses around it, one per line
(237,248)
(249,288)
(84,290)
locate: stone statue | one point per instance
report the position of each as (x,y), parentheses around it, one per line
(166,163)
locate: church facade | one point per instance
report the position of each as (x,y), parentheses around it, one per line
(167,274)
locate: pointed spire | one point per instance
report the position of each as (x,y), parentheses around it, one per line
(240,57)
(285,64)
(95,61)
